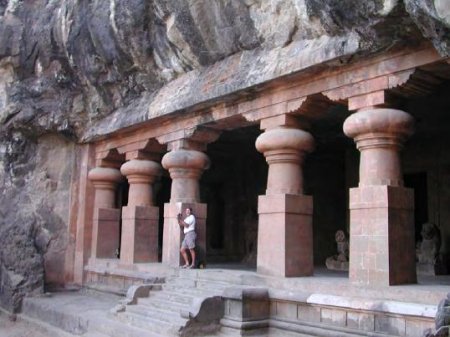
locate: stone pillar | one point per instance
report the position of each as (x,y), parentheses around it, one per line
(382,248)
(106,222)
(185,168)
(139,241)
(285,238)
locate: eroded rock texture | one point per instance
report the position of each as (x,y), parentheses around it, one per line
(68,64)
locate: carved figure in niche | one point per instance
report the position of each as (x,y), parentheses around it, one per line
(429,260)
(340,260)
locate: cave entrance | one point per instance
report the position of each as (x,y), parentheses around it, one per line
(238,174)
(329,171)
(121,201)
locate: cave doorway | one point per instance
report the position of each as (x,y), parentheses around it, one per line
(121,201)
(329,172)
(161,191)
(230,188)
(418,182)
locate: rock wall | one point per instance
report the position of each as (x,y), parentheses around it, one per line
(35,178)
(66,65)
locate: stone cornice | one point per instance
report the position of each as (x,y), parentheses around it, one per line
(295,95)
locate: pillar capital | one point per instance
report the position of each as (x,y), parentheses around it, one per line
(285,138)
(140,174)
(185,168)
(373,122)
(185,159)
(284,149)
(379,134)
(104,174)
(141,171)
(105,180)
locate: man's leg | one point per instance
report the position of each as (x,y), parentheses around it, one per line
(193,257)
(185,257)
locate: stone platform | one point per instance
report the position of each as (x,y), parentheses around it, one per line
(322,305)
(108,275)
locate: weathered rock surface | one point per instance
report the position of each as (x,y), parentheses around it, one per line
(82,69)
(35,180)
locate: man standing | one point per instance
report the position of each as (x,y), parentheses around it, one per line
(188,225)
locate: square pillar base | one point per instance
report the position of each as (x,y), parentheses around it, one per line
(106,233)
(139,241)
(382,247)
(285,238)
(173,233)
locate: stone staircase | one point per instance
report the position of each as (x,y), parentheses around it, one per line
(227,303)
(186,305)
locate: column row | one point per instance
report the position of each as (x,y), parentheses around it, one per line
(140,218)
(381,209)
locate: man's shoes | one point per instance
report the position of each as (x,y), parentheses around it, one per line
(190,266)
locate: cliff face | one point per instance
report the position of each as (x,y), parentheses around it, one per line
(67,64)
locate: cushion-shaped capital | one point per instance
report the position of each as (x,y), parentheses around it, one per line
(106,174)
(187,159)
(141,168)
(285,138)
(381,121)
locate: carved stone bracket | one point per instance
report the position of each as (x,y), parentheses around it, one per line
(379,91)
(148,149)
(303,110)
(195,138)
(110,158)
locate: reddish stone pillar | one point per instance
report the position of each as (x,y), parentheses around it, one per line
(285,239)
(139,241)
(382,249)
(185,168)
(106,222)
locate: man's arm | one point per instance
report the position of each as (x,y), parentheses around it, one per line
(181,222)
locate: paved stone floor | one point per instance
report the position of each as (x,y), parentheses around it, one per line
(21,328)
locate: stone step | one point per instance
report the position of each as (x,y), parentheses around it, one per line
(117,328)
(196,291)
(230,276)
(95,334)
(152,324)
(160,303)
(172,297)
(167,315)
(213,285)
(105,288)
(218,279)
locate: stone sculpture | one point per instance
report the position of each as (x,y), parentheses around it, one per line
(339,261)
(429,260)
(442,320)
